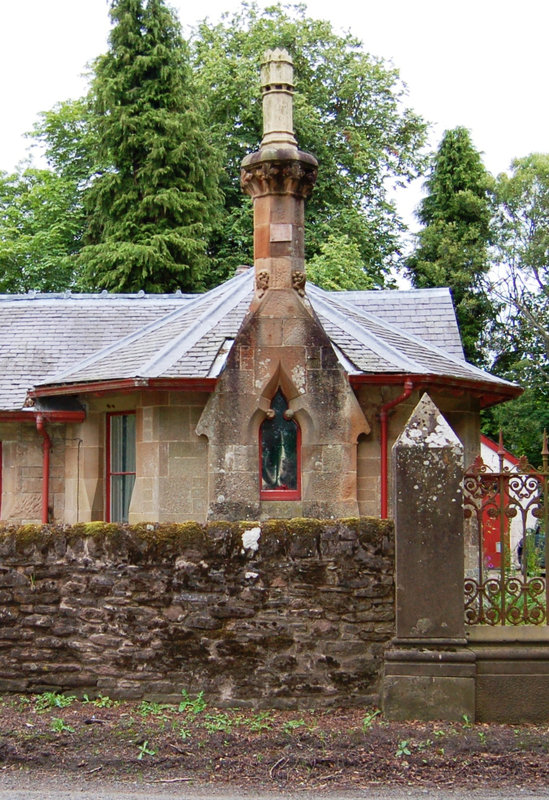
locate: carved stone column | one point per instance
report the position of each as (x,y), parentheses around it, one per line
(281,345)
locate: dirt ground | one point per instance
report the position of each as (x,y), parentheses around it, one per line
(193,744)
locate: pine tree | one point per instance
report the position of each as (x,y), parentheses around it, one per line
(453,247)
(151,210)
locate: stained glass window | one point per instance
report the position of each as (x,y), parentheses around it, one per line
(279,442)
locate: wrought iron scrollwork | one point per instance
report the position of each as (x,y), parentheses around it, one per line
(523,601)
(502,594)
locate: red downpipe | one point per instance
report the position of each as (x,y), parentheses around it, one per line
(46,447)
(383,418)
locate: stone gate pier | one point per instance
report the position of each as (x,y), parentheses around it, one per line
(429,672)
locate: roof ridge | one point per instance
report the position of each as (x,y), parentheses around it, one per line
(174,350)
(135,296)
(442,290)
(57,377)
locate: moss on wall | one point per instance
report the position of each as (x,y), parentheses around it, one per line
(196,533)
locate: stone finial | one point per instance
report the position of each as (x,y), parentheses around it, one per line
(277,75)
(278,177)
(428,428)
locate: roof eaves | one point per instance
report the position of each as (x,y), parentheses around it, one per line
(490,393)
(125,385)
(482,375)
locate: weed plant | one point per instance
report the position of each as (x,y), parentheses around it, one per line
(48,700)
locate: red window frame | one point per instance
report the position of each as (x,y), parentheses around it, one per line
(108,472)
(280,494)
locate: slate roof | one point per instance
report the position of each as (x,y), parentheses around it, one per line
(38,332)
(66,339)
(428,313)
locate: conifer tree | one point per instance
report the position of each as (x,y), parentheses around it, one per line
(151,209)
(453,247)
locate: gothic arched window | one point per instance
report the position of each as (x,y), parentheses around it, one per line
(280,453)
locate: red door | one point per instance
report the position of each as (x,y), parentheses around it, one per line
(491,534)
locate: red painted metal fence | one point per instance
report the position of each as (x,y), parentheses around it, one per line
(510,587)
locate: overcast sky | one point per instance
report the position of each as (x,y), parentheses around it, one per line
(478,63)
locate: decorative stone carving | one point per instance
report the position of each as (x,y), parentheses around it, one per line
(298,282)
(262,282)
(285,176)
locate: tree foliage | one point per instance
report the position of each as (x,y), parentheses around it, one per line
(40,228)
(520,280)
(349,112)
(522,420)
(338,266)
(67,141)
(41,212)
(151,208)
(134,167)
(453,249)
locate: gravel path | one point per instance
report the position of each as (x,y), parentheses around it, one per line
(25,787)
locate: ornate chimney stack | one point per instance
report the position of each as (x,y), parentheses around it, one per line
(278,177)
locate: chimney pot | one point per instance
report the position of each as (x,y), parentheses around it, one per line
(277,87)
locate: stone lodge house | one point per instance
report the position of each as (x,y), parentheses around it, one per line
(264,397)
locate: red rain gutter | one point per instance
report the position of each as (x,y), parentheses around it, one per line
(46,447)
(486,392)
(383,418)
(49,416)
(128,385)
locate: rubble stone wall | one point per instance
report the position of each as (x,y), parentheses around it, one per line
(285,613)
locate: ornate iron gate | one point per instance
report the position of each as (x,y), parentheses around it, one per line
(517,591)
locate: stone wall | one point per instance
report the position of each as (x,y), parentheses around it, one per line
(289,613)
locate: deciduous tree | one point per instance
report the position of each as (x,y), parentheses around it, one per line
(522,277)
(41,222)
(520,280)
(338,265)
(350,112)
